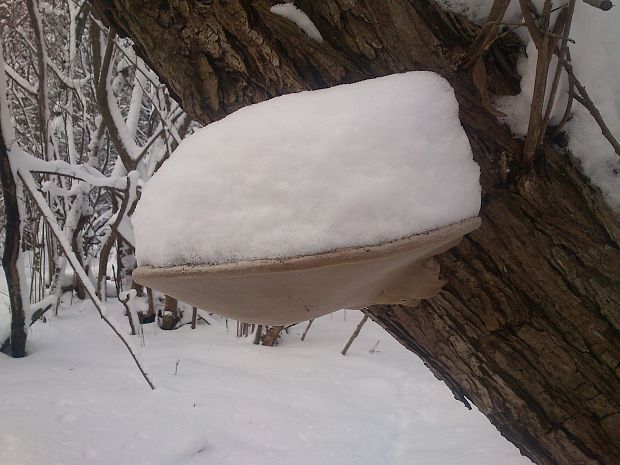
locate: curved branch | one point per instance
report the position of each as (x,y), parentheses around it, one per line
(47,214)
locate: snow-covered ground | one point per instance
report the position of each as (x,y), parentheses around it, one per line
(5,304)
(78,399)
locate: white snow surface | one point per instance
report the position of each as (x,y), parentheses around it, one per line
(5,310)
(596,63)
(301,19)
(352,165)
(478,10)
(78,399)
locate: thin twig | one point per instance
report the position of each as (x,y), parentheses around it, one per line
(558,69)
(303,336)
(582,97)
(111,238)
(194,317)
(530,22)
(258,335)
(102,90)
(125,303)
(488,33)
(545,42)
(354,335)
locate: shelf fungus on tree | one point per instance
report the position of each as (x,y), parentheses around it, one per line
(310,202)
(280,292)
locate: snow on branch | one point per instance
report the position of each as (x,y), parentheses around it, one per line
(30,184)
(19,80)
(545,107)
(26,162)
(72,83)
(297,16)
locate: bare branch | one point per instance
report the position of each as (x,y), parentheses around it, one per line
(104,103)
(582,97)
(568,19)
(47,214)
(488,32)
(19,80)
(604,5)
(41,54)
(530,22)
(355,334)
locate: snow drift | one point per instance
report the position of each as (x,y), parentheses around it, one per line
(352,165)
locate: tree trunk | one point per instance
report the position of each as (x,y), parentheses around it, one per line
(77,247)
(272,334)
(10,257)
(149,317)
(170,316)
(527,327)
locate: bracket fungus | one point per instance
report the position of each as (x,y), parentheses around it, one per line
(281,292)
(310,202)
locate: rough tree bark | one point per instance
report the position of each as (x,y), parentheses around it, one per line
(272,333)
(170,316)
(527,327)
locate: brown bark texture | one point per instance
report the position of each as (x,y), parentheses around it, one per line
(170,316)
(527,327)
(272,335)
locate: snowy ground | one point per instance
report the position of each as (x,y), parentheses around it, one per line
(5,304)
(77,399)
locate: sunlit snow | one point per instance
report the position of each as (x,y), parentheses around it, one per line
(77,399)
(351,165)
(294,14)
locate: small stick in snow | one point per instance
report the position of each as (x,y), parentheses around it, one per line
(303,336)
(567,112)
(125,303)
(150,315)
(203,317)
(258,335)
(194,317)
(354,335)
(373,349)
(582,97)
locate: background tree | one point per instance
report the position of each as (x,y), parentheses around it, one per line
(527,327)
(78,95)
